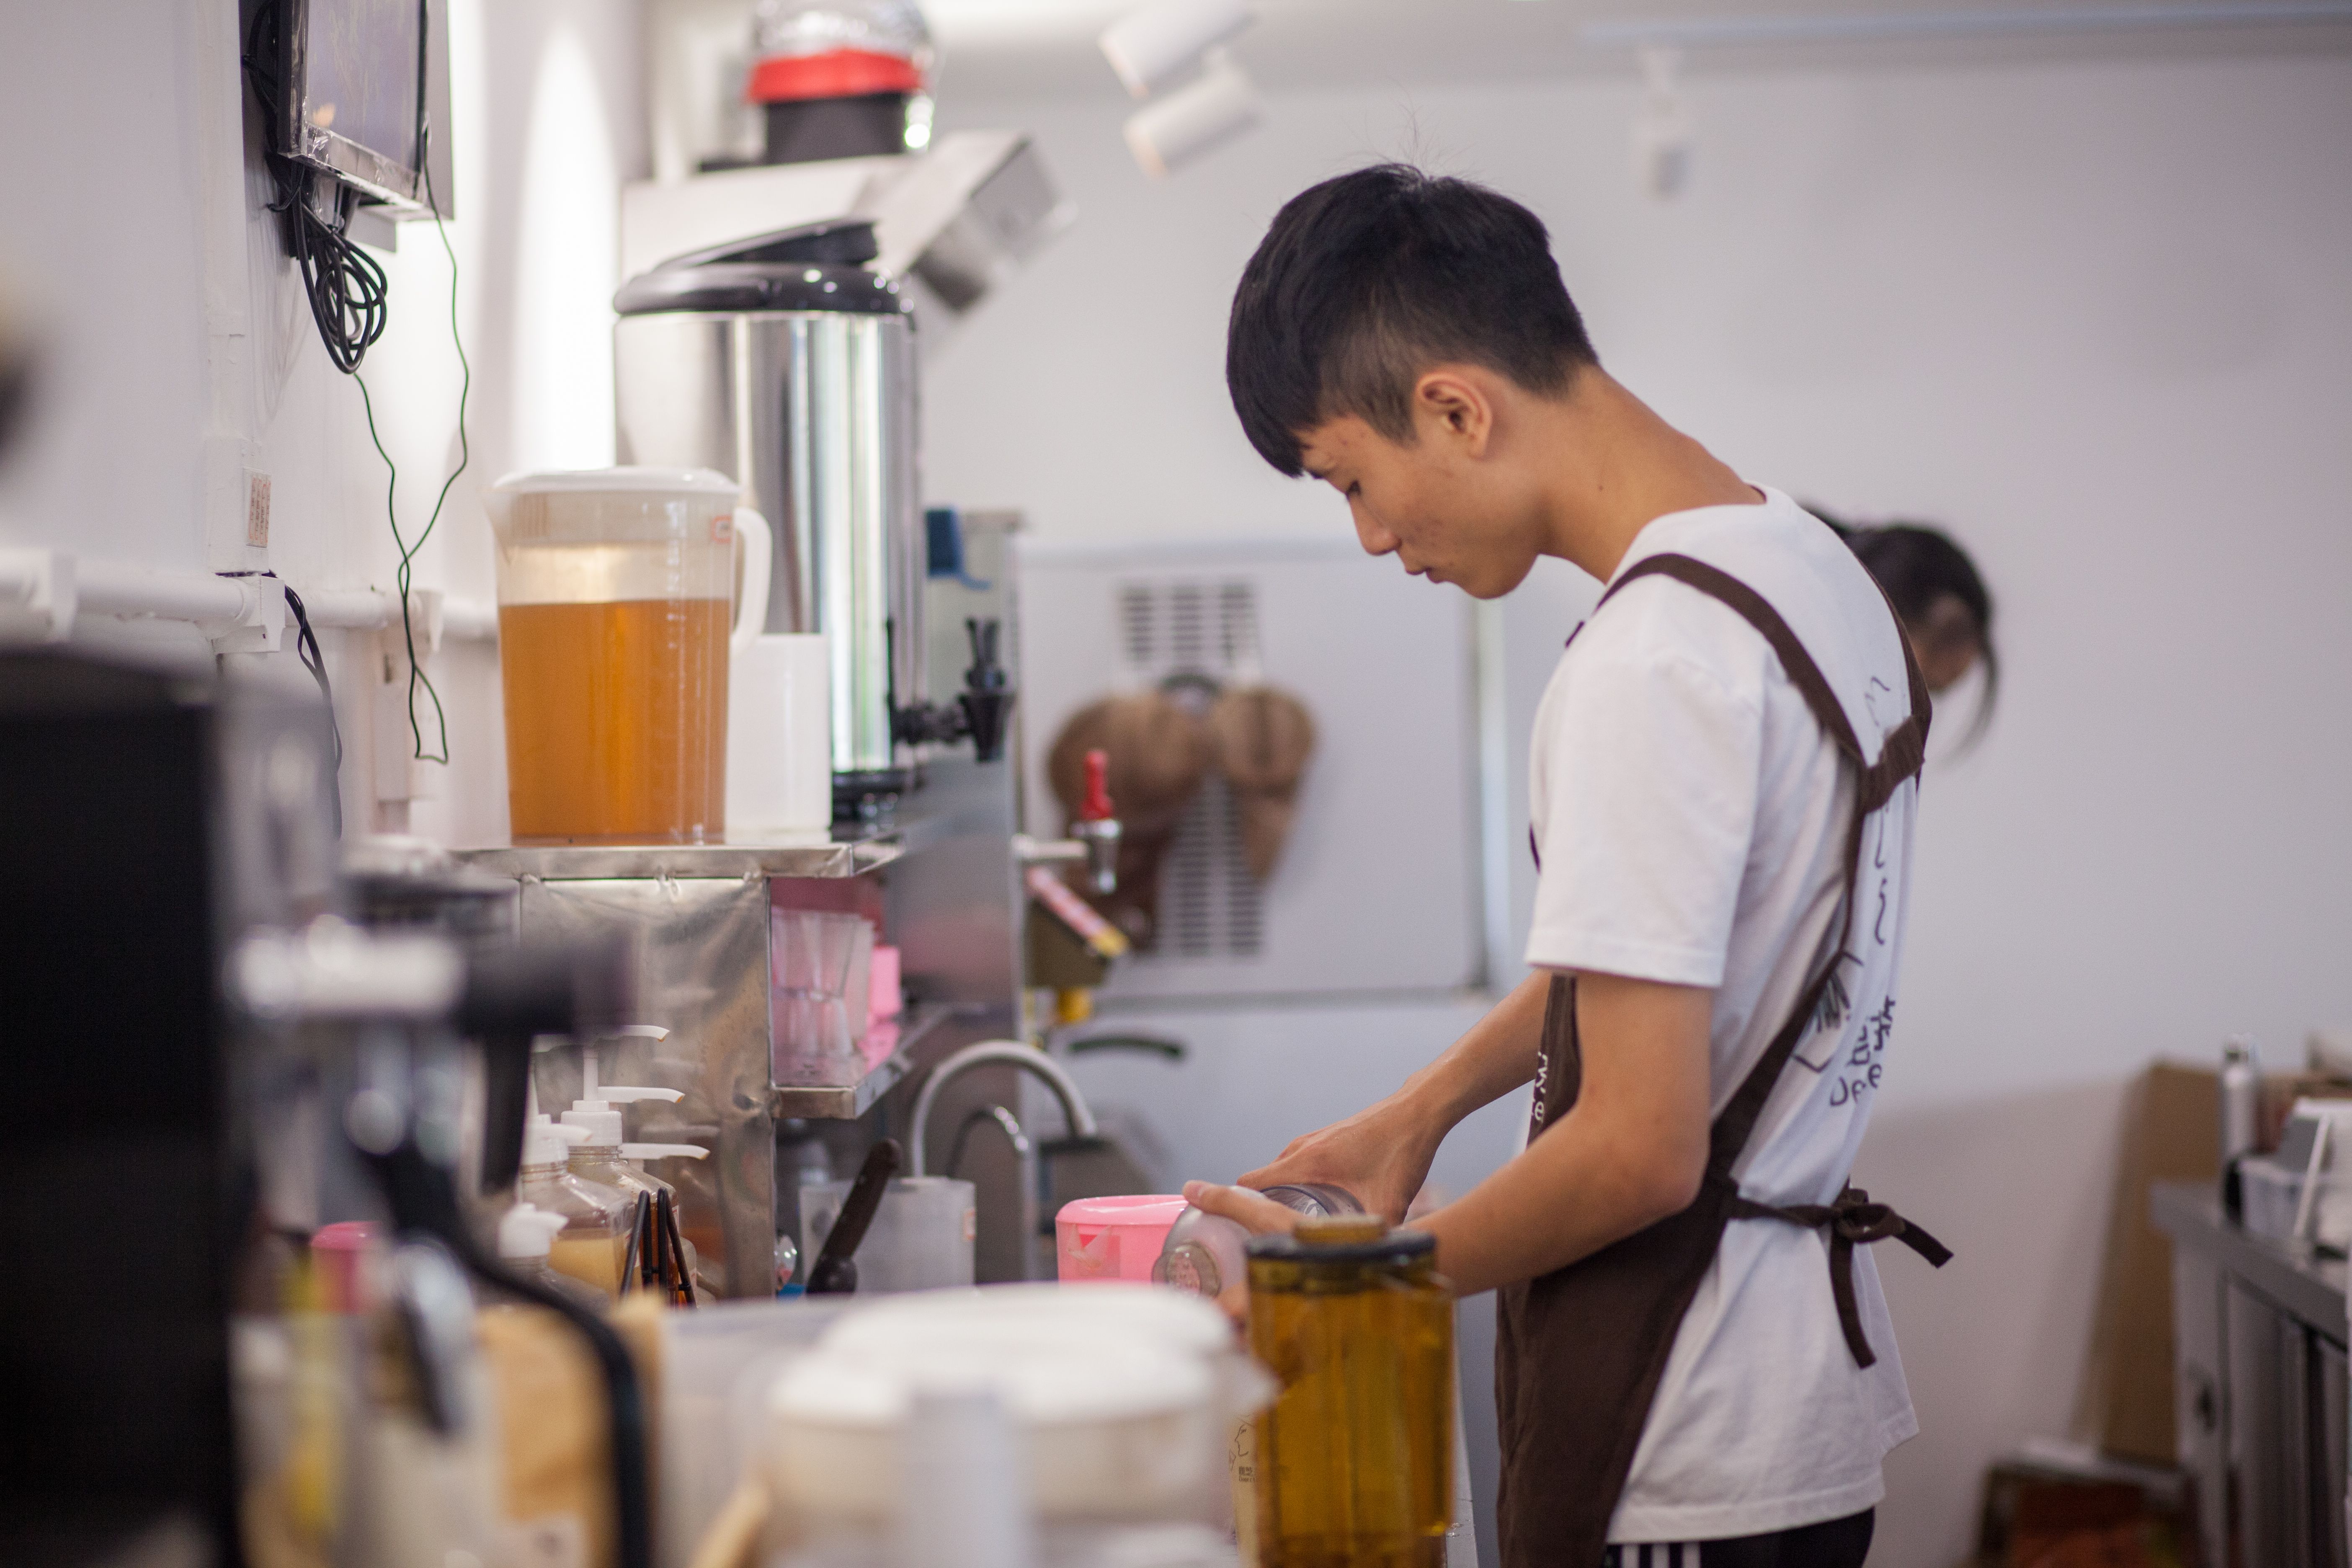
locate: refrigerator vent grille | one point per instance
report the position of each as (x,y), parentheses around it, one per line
(1184,631)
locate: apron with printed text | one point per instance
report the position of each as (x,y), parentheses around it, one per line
(1580,1350)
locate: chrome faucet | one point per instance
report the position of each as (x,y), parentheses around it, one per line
(998,1053)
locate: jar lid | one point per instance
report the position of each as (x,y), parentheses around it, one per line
(1151,1210)
(1349,1239)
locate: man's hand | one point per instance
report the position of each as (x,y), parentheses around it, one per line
(1381,1155)
(1258,1215)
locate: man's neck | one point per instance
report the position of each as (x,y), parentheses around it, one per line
(1620,468)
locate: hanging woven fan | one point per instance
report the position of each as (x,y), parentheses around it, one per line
(1264,738)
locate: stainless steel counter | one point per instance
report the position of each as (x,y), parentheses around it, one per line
(2259,1384)
(847,851)
(2290,1273)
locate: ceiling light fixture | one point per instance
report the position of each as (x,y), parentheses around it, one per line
(1698,32)
(1152,47)
(1204,113)
(1662,126)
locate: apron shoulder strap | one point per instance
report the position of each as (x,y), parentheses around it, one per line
(1903,751)
(1900,757)
(1853,1219)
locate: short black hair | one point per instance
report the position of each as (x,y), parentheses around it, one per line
(1366,279)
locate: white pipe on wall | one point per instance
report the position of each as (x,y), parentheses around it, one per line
(42,592)
(1699,31)
(112,588)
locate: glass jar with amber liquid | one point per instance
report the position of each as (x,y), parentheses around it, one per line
(1354,1459)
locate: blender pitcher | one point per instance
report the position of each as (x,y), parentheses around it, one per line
(616,622)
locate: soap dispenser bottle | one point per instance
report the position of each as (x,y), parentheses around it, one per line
(595,1231)
(602,1157)
(526,1235)
(598,1153)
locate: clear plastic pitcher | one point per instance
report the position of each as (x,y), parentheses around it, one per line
(616,614)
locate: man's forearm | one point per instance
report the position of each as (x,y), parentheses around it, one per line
(1494,1056)
(1382,1152)
(1628,1152)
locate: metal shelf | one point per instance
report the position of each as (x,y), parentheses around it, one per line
(849,850)
(841,1098)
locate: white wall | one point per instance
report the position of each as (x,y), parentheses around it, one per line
(2097,317)
(171,320)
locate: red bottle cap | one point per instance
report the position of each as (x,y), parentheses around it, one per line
(835,73)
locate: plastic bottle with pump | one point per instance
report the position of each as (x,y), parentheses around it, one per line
(526,1233)
(602,1157)
(596,1217)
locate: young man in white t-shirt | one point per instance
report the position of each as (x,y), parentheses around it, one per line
(1723,785)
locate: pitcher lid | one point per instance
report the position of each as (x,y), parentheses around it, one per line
(624,480)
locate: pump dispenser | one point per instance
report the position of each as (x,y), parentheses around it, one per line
(598,1156)
(595,1217)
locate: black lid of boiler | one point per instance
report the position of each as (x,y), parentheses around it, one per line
(814,267)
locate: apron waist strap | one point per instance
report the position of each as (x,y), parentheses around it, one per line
(1853,1220)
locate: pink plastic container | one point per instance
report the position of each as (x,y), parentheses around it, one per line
(1112,1238)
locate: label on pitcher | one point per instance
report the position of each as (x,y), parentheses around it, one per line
(722,528)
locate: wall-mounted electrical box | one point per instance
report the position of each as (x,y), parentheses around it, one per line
(359,92)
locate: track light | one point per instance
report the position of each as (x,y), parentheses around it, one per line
(1662,126)
(1151,46)
(1173,130)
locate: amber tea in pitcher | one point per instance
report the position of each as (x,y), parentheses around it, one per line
(615,606)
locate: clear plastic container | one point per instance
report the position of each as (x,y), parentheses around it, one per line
(804,29)
(616,590)
(920,1238)
(815,953)
(1204,1253)
(595,1234)
(2271,1193)
(526,1232)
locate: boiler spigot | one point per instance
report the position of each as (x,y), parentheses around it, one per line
(1098,826)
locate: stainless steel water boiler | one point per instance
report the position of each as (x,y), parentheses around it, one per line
(784,361)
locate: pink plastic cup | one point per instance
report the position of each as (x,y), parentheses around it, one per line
(1112,1238)
(337,1252)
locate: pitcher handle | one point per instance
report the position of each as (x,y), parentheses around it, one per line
(758,557)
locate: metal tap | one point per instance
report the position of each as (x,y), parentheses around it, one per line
(998,1053)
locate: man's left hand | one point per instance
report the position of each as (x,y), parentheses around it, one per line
(1256,1213)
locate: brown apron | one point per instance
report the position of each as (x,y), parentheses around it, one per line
(1580,1349)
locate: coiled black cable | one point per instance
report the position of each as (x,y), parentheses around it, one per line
(345,285)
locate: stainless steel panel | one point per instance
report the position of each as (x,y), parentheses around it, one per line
(849,853)
(813,414)
(701,956)
(2265,1468)
(952,906)
(2200,1394)
(2332,1453)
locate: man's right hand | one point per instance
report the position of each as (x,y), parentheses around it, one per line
(1382,1154)
(1379,1155)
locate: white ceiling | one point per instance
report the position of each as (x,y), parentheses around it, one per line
(1024,49)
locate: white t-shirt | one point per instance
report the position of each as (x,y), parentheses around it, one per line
(1691,817)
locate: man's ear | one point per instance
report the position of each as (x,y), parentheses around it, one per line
(1452,406)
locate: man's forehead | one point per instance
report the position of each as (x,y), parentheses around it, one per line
(1332,441)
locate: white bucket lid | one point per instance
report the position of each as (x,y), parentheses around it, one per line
(1064,1381)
